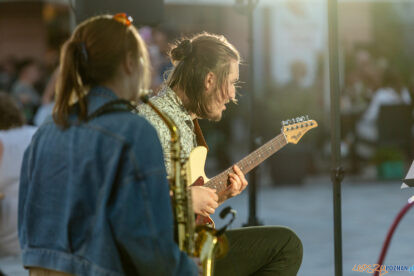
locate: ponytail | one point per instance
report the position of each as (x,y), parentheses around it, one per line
(69,85)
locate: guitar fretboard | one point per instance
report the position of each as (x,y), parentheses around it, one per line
(248,163)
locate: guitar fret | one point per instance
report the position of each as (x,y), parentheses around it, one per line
(249,162)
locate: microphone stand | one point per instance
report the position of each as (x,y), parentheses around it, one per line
(247,7)
(337,171)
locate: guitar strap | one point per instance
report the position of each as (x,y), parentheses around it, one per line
(118,105)
(199,134)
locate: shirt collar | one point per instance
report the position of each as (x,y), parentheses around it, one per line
(172,96)
(98,96)
(102,91)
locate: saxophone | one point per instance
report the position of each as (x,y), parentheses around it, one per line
(202,242)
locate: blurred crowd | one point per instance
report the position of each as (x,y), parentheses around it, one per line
(366,74)
(376,117)
(29,83)
(377,108)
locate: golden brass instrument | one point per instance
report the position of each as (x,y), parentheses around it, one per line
(201,242)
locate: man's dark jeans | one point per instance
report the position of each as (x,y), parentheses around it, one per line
(263,250)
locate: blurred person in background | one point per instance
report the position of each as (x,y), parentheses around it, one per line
(362,79)
(15,136)
(392,91)
(294,98)
(94,197)
(7,73)
(157,40)
(202,82)
(24,88)
(161,38)
(281,102)
(48,100)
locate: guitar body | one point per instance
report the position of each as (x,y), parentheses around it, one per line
(197,161)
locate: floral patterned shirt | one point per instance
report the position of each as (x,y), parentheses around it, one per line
(169,103)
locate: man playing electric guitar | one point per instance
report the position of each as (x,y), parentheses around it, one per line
(202,82)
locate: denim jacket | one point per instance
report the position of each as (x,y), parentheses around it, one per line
(94,198)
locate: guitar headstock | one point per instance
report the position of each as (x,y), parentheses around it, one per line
(294,129)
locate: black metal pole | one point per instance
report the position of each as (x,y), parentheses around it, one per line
(249,8)
(337,172)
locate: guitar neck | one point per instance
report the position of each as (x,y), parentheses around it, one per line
(248,163)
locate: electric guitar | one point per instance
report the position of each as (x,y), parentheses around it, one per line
(292,132)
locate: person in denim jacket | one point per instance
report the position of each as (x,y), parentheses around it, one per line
(94,197)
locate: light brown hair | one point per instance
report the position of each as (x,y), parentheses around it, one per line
(91,57)
(194,58)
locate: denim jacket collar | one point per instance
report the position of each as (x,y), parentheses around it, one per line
(103,94)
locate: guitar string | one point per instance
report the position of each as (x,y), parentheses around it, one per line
(248,163)
(266,150)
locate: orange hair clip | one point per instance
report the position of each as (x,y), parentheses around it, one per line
(123,18)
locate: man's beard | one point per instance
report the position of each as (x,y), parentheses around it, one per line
(214,117)
(210,106)
(214,105)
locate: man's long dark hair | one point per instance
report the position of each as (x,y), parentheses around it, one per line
(193,59)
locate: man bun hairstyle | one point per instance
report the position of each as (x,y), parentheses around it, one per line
(182,51)
(193,59)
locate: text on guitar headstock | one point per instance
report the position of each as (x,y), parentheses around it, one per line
(295,128)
